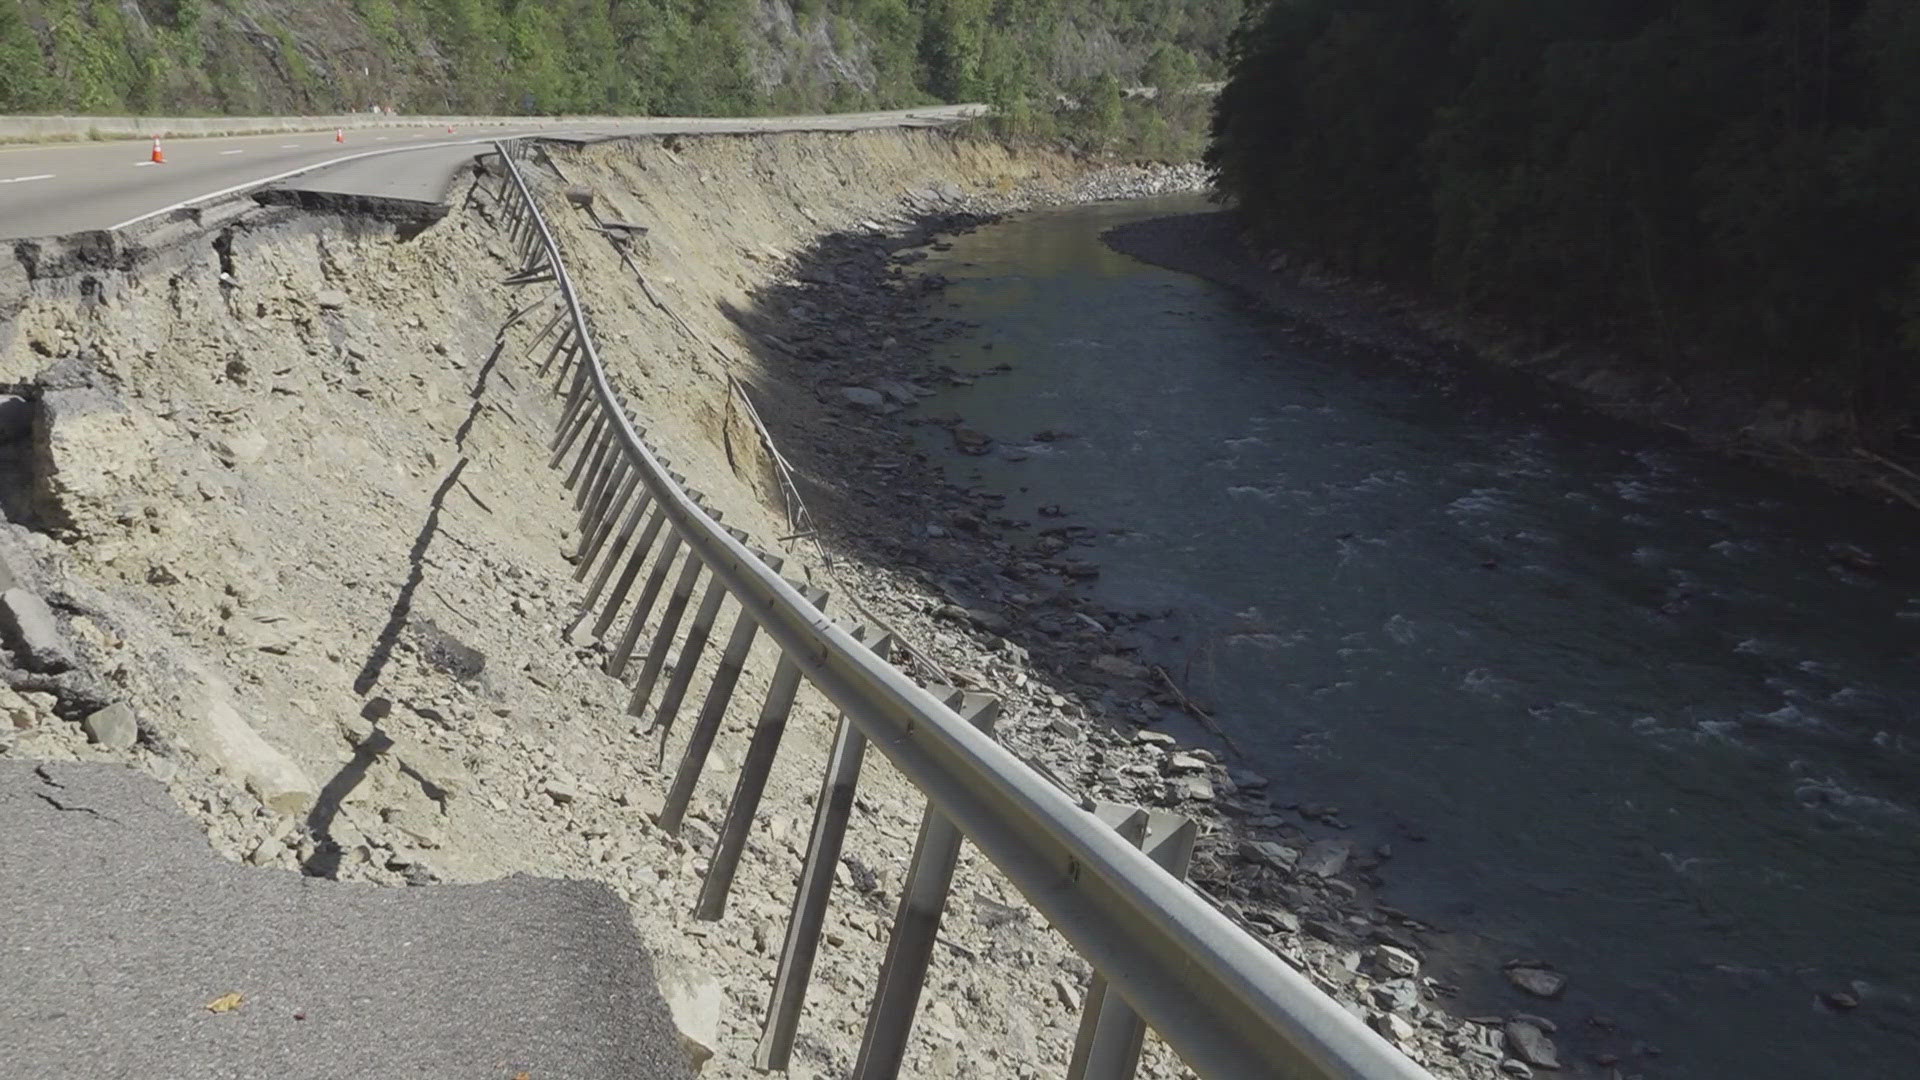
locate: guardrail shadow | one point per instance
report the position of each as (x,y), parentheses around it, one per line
(403,602)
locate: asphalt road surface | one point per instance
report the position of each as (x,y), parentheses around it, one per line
(62,188)
(119,927)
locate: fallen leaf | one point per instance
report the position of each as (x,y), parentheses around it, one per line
(523,1076)
(225,1003)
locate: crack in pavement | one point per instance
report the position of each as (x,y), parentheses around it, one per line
(47,779)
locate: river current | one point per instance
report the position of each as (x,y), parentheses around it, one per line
(1615,703)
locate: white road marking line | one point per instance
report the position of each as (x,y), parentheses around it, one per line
(379,138)
(289,146)
(226,153)
(144,164)
(277,177)
(24,179)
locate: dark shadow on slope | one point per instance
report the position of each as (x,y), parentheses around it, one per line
(325,860)
(403,603)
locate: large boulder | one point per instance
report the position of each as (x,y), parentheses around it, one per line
(695,999)
(33,633)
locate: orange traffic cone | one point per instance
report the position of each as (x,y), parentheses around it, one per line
(449,129)
(339,135)
(158,157)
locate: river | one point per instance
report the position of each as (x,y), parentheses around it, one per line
(1616,703)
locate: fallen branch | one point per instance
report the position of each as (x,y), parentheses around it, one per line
(1902,494)
(1206,719)
(1889,463)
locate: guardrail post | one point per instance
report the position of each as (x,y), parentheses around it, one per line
(590,499)
(637,622)
(923,900)
(569,362)
(611,513)
(566,343)
(683,668)
(1111,1033)
(591,421)
(620,542)
(534,342)
(670,617)
(642,552)
(707,726)
(804,923)
(579,408)
(595,449)
(587,499)
(752,783)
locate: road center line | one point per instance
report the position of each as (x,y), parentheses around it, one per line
(24,179)
(289,146)
(143,164)
(225,153)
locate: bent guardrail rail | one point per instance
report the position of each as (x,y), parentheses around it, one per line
(1226,1004)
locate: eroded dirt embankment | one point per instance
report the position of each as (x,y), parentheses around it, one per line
(290,507)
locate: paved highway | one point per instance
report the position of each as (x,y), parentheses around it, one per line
(69,187)
(122,930)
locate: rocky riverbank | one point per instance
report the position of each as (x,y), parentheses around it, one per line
(997,602)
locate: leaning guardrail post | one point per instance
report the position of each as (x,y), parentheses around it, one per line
(589,463)
(564,345)
(642,552)
(752,782)
(534,342)
(610,514)
(625,536)
(1111,1033)
(650,592)
(590,422)
(670,617)
(690,651)
(579,405)
(569,362)
(591,450)
(707,726)
(809,915)
(923,899)
(587,499)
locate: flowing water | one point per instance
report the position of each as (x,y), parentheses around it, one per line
(1650,727)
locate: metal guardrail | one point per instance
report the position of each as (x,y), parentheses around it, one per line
(1228,1005)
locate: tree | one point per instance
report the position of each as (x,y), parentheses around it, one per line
(1730,188)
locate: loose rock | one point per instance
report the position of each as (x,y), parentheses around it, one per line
(861,397)
(33,633)
(1325,858)
(1531,1045)
(1538,981)
(1396,961)
(113,726)
(1268,853)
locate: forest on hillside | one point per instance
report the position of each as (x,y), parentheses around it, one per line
(1730,187)
(685,57)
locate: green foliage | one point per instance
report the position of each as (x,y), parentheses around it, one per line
(1034,60)
(1725,184)
(24,85)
